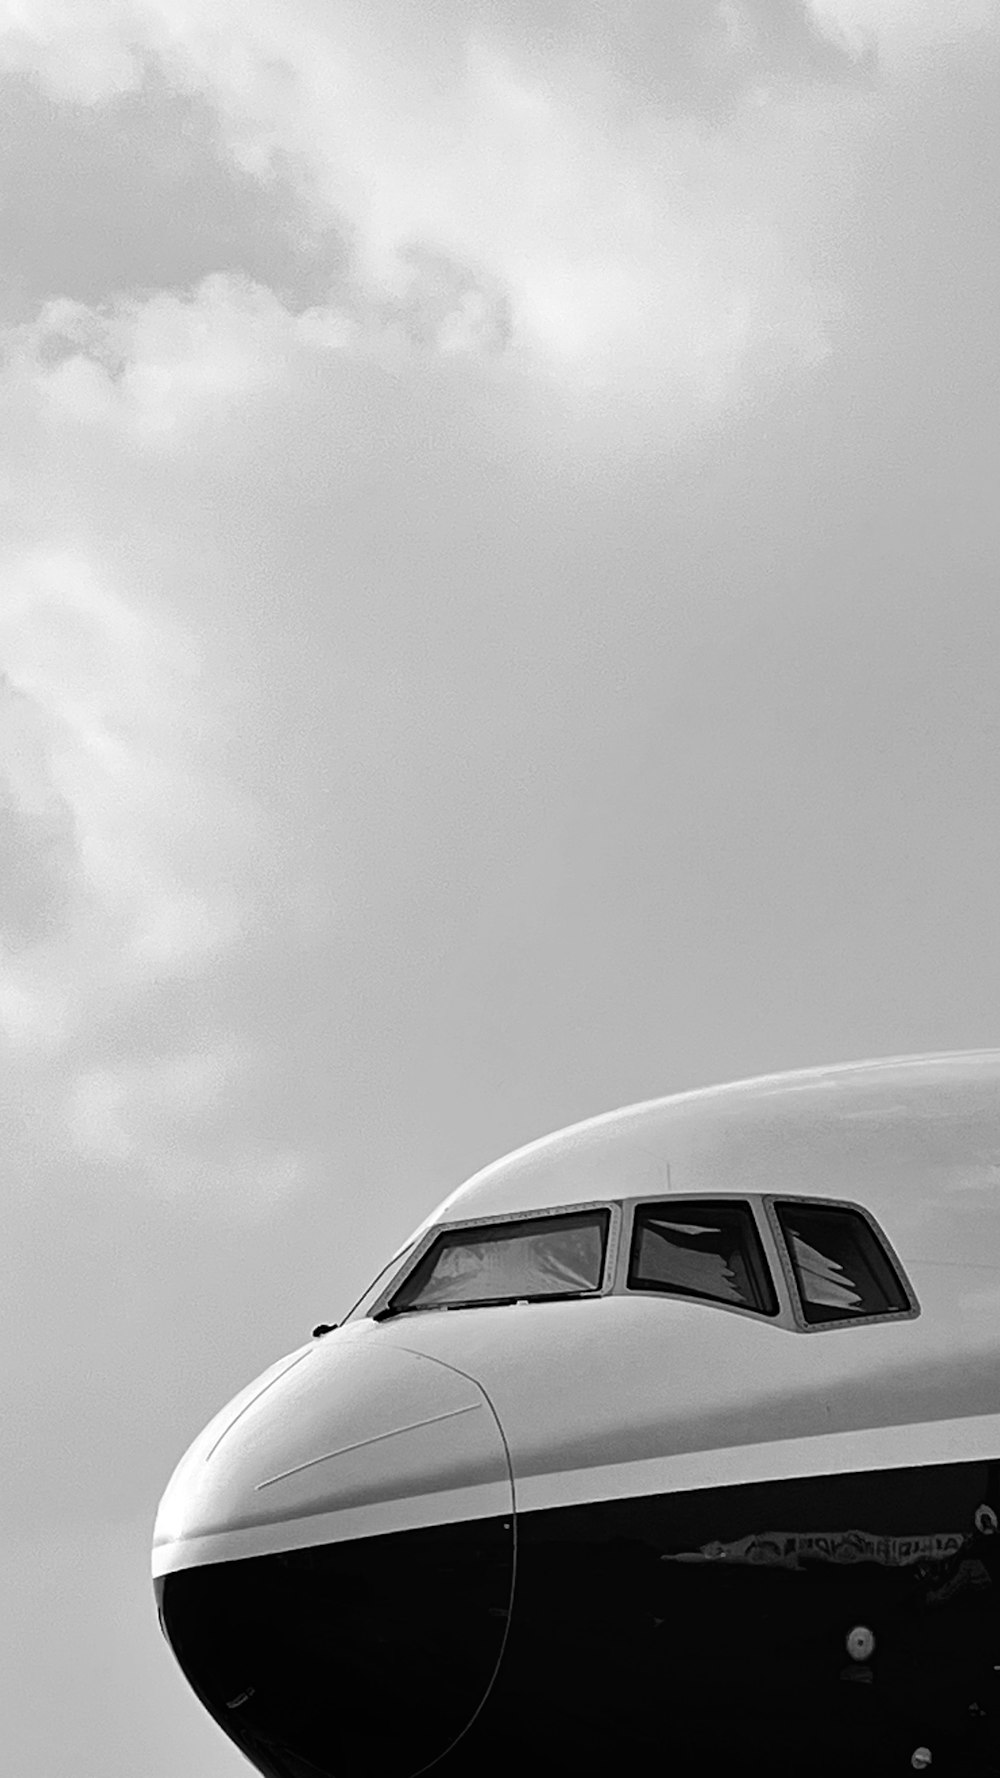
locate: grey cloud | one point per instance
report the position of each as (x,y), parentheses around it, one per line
(447,304)
(686,59)
(693,59)
(139,193)
(624,772)
(37,872)
(39,875)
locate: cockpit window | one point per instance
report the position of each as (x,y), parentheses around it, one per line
(706,1248)
(543,1256)
(841,1269)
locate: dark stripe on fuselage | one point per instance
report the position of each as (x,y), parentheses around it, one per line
(690,1632)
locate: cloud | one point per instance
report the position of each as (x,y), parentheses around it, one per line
(367,517)
(134,896)
(117,835)
(193,1124)
(38,839)
(80,51)
(486,205)
(157,370)
(139,194)
(150,940)
(176,1122)
(149,368)
(898,33)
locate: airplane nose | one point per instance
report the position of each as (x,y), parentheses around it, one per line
(334,1562)
(343,1438)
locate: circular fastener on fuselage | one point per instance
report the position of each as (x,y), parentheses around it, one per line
(860,1643)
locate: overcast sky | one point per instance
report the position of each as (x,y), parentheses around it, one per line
(499,619)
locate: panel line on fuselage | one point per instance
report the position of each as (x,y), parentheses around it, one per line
(473,1407)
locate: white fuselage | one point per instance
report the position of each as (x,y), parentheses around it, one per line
(506,1414)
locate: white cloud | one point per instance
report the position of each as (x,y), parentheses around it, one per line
(37,830)
(134,891)
(151,368)
(535,216)
(116,828)
(604,243)
(168,1121)
(81,51)
(897,32)
(159,370)
(33,1013)
(128,1111)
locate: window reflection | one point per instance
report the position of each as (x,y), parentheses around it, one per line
(708,1250)
(841,1268)
(540,1257)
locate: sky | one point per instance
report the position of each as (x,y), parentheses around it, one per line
(499,620)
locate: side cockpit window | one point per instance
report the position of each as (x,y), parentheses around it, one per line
(531,1259)
(842,1270)
(708,1249)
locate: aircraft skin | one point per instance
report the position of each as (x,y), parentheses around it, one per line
(633,1528)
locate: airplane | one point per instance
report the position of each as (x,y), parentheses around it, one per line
(667,1443)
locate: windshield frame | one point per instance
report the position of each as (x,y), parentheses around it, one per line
(381,1309)
(774,1201)
(762,1208)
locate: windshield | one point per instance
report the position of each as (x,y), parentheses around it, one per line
(839,1264)
(535,1258)
(701,1249)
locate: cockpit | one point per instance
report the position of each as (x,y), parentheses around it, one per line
(805,1263)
